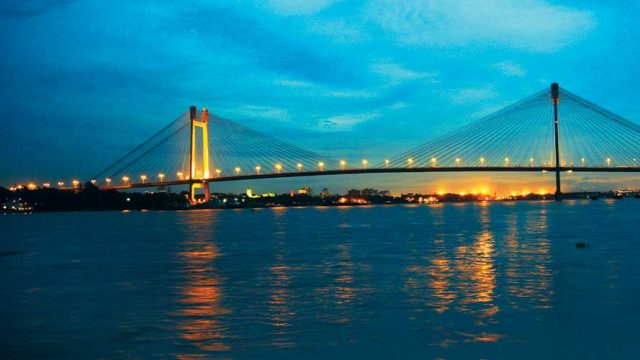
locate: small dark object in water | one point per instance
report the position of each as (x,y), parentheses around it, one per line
(637,196)
(581,245)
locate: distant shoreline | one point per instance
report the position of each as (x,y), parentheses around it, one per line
(138,205)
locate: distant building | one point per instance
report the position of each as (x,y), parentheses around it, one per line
(362,193)
(305,191)
(354,193)
(325,192)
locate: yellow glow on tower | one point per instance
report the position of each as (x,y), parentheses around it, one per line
(194,172)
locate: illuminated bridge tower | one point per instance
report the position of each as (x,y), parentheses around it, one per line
(555,99)
(198,179)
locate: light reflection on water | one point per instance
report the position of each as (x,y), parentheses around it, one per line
(449,281)
(202,291)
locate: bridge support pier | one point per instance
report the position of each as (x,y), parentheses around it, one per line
(199,179)
(192,192)
(555,99)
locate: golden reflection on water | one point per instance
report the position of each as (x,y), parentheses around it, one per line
(460,278)
(477,274)
(439,274)
(201,295)
(432,280)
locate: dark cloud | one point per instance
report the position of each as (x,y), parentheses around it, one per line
(26,9)
(277,51)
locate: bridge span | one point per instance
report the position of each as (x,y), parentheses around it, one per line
(553,130)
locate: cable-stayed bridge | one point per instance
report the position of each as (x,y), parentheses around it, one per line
(553,130)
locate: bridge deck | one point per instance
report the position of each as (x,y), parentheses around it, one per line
(626,169)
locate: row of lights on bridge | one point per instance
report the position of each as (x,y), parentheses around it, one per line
(279,167)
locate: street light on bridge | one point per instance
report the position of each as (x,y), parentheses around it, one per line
(108,181)
(75,183)
(237,170)
(125,179)
(506,161)
(386,163)
(458,160)
(258,170)
(161,177)
(180,175)
(299,167)
(409,162)
(321,166)
(434,161)
(343,164)
(60,183)
(143,178)
(46,185)
(531,161)
(608,161)
(481,161)
(582,161)
(218,172)
(278,168)
(365,163)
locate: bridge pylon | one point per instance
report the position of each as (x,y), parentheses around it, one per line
(198,180)
(555,99)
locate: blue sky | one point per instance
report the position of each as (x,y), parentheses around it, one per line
(82,82)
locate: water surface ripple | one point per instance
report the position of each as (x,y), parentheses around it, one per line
(483,280)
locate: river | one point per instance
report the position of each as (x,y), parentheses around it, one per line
(473,280)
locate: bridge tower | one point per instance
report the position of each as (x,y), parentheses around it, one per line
(199,180)
(555,99)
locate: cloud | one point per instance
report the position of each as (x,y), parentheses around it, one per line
(339,30)
(345,122)
(23,9)
(314,90)
(298,7)
(509,68)
(293,83)
(262,112)
(532,25)
(471,95)
(397,73)
(270,47)
(398,106)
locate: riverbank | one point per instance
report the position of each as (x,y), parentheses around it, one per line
(90,198)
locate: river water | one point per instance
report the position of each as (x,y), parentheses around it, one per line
(481,280)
